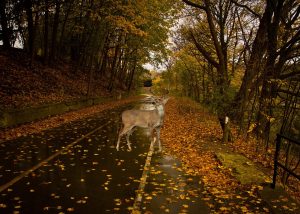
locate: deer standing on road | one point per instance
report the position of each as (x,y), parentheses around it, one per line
(151,119)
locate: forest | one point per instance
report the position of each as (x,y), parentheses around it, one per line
(238,58)
(242,60)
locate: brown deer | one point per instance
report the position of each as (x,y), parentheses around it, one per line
(151,119)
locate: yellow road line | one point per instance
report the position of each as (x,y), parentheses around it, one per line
(22,175)
(140,191)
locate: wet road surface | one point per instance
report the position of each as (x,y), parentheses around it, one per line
(83,172)
(171,190)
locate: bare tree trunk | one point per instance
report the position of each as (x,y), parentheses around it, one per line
(131,76)
(54,31)
(46,32)
(114,64)
(91,77)
(4,25)
(259,48)
(62,33)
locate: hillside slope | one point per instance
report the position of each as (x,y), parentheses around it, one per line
(23,85)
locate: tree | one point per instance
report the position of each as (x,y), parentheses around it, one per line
(107,39)
(5,31)
(218,19)
(31,27)
(272,50)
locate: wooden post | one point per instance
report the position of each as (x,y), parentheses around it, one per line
(226,130)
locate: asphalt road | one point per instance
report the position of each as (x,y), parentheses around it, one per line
(75,168)
(72,168)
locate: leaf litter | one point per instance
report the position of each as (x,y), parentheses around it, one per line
(194,127)
(196,130)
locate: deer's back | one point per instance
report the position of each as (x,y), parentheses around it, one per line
(142,118)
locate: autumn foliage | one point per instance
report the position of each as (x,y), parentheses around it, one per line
(194,135)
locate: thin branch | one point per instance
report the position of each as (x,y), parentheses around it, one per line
(291,74)
(190,3)
(293,18)
(295,94)
(287,47)
(204,52)
(247,8)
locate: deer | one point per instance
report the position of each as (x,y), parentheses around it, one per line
(151,119)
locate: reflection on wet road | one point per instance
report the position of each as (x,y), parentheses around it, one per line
(76,168)
(90,177)
(25,152)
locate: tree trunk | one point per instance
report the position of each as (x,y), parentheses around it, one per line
(265,112)
(259,48)
(62,33)
(54,31)
(91,77)
(130,81)
(46,32)
(114,65)
(31,31)
(4,25)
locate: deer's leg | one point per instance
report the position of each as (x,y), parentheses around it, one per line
(151,130)
(118,142)
(158,138)
(130,131)
(123,131)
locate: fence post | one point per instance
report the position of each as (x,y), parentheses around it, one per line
(278,139)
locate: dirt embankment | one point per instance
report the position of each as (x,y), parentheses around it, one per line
(24,84)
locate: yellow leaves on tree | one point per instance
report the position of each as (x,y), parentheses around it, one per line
(126,25)
(130,17)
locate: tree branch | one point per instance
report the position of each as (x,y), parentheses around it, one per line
(207,55)
(288,46)
(288,75)
(293,18)
(247,8)
(295,94)
(192,4)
